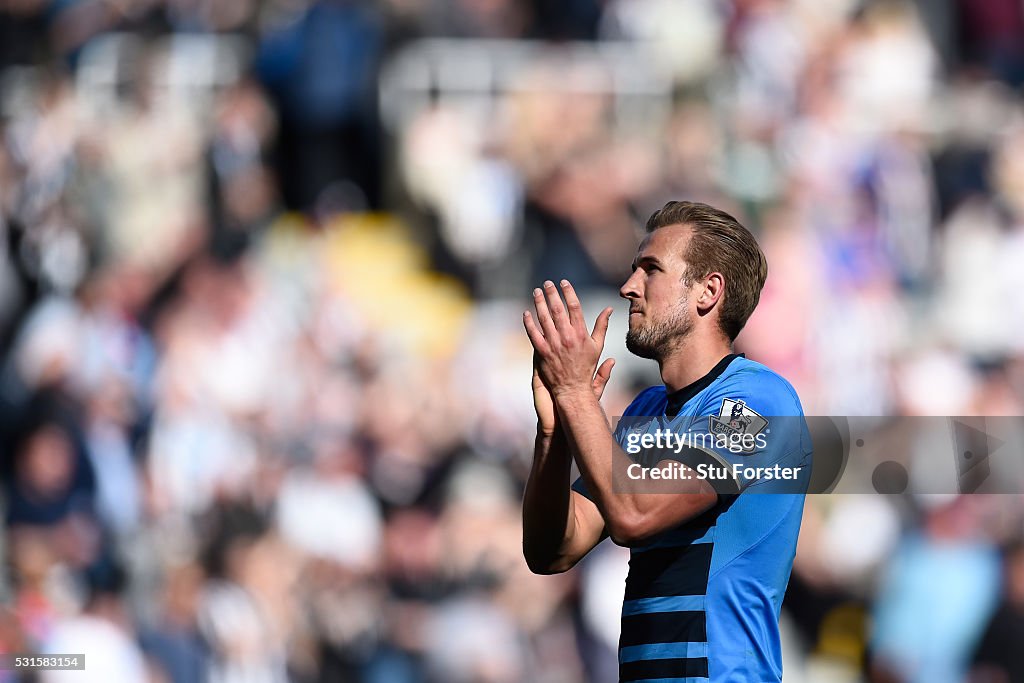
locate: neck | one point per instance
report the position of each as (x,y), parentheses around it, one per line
(691,359)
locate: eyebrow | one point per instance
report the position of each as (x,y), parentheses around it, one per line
(645,259)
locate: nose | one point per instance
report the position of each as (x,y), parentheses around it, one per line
(633,287)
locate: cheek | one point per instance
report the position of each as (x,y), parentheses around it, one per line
(664,294)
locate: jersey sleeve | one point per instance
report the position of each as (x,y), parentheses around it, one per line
(750,434)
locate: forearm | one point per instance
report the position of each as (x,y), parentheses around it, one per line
(547,505)
(630,515)
(590,441)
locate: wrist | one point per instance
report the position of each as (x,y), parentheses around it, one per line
(548,437)
(572,394)
(548,448)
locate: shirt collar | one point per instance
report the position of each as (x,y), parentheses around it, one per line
(677,399)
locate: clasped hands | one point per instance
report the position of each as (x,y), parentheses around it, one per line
(565,353)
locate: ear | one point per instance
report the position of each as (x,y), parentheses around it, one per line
(712,292)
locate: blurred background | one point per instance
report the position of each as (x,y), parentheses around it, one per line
(264,391)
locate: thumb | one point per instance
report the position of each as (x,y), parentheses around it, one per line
(601,326)
(604,373)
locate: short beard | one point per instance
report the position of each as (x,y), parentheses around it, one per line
(658,339)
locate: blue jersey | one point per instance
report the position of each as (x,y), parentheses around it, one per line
(702,600)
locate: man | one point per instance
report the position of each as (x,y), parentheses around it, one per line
(709,563)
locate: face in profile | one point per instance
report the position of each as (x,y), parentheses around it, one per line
(660,315)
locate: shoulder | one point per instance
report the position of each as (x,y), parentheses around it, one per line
(757,385)
(650,401)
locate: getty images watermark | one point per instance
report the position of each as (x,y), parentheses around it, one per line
(739,451)
(664,442)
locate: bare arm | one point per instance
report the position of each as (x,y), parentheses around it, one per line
(559,525)
(630,515)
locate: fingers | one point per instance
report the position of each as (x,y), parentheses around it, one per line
(573,303)
(601,326)
(535,334)
(604,373)
(556,308)
(547,324)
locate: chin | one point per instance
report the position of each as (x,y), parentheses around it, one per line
(639,348)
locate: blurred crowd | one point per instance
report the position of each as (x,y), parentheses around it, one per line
(264,393)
